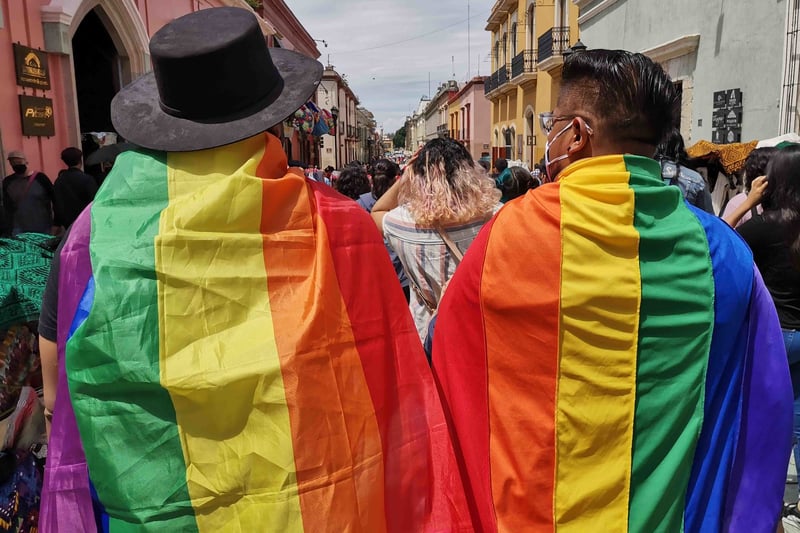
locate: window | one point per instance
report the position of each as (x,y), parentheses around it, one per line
(531,25)
(509,143)
(505,50)
(497,55)
(514,40)
(468,120)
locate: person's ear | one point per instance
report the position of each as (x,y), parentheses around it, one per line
(580,137)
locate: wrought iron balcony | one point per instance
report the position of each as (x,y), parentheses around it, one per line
(442,131)
(488,85)
(553,41)
(502,75)
(524,63)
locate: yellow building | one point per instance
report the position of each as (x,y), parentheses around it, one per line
(529,38)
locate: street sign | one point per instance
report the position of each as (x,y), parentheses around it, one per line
(31,67)
(726,120)
(37,116)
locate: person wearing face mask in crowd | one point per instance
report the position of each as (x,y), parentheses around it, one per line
(27,198)
(606,351)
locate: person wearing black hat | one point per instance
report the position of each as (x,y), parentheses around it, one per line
(225,364)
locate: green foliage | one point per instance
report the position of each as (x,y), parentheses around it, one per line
(255,4)
(399,140)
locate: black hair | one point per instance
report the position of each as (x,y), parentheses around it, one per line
(782,198)
(629,94)
(672,148)
(386,172)
(501,164)
(329,169)
(71,156)
(756,164)
(352,182)
(451,153)
(520,182)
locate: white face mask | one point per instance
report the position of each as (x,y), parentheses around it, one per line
(548,144)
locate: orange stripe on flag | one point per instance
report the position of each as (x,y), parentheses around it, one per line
(523,361)
(336,439)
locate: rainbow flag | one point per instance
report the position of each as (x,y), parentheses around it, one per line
(611,361)
(236,355)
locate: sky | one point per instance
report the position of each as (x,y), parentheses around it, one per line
(389,76)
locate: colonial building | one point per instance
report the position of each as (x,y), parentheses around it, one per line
(436,113)
(75,55)
(470,118)
(736,68)
(415,126)
(335,94)
(528,40)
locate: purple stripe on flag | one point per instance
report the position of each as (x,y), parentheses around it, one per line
(755,493)
(66,496)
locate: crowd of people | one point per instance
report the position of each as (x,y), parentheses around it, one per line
(231,342)
(32,203)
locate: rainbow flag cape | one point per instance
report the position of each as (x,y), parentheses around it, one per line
(236,355)
(611,361)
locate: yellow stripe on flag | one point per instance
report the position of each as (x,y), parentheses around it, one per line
(600,299)
(219,359)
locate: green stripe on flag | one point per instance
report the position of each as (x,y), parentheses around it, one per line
(674,341)
(126,419)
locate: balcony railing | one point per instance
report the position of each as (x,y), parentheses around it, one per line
(553,41)
(488,85)
(502,75)
(442,131)
(524,63)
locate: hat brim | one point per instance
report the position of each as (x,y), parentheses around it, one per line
(139,118)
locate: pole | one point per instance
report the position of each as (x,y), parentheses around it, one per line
(469,48)
(429,85)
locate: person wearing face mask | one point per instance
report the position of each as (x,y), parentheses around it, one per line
(27,198)
(607,352)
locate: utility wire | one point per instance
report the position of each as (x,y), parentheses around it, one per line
(412,38)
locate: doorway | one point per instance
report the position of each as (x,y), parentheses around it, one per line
(98,73)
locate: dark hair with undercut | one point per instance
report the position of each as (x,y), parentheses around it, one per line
(782,198)
(352,182)
(756,164)
(71,156)
(630,94)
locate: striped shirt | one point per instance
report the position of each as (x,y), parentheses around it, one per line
(425,257)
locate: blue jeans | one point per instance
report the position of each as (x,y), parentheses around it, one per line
(791,339)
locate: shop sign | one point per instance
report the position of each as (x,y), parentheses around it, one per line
(31,67)
(37,116)
(726,121)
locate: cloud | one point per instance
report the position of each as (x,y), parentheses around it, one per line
(389,80)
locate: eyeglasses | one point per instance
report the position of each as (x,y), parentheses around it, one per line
(548,120)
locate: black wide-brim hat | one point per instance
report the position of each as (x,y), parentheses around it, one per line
(214,82)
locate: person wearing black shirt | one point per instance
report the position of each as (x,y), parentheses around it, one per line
(27,198)
(774,238)
(74,189)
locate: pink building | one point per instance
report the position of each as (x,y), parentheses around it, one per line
(75,55)
(470,118)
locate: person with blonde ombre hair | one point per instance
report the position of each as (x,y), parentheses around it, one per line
(430,217)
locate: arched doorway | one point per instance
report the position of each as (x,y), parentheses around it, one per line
(98,73)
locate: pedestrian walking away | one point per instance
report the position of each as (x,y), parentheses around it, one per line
(607,352)
(216,357)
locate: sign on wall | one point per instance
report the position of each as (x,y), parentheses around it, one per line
(37,116)
(31,67)
(727,117)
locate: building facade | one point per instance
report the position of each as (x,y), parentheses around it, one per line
(335,94)
(84,52)
(469,115)
(733,62)
(528,40)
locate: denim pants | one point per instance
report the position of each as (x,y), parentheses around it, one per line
(791,339)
